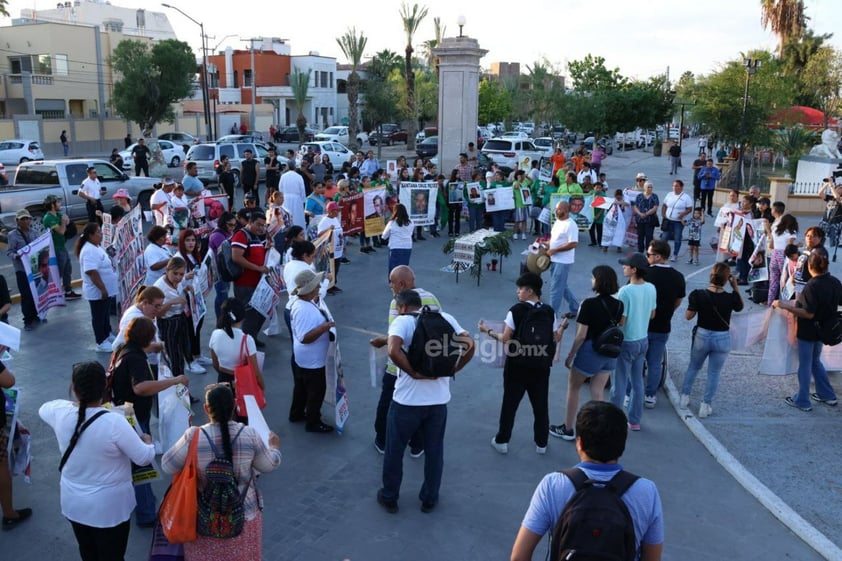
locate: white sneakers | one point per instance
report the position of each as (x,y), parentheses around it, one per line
(104,347)
(684,401)
(540,450)
(502,448)
(705,410)
(649,401)
(203,360)
(195,368)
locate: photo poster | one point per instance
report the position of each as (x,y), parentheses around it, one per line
(351,214)
(107,230)
(323,262)
(392,169)
(581,209)
(198,308)
(206,274)
(545,171)
(733,234)
(44,278)
(526,195)
(374,210)
(419,198)
(336,395)
(455,192)
(474,192)
(205,212)
(499,198)
(127,255)
(11,407)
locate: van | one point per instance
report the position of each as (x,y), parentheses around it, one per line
(207,157)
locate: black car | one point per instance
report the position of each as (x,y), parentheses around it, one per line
(428,147)
(290,134)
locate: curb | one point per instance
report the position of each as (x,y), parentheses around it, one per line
(773,503)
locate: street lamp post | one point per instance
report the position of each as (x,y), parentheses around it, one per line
(751,65)
(205,96)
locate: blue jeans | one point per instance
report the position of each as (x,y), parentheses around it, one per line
(714,346)
(810,362)
(654,358)
(474,217)
(398,257)
(673,230)
(222,288)
(630,370)
(145,511)
(402,423)
(498,220)
(560,272)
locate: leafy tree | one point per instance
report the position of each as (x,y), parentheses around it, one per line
(426,94)
(793,143)
(795,58)
(431,44)
(591,75)
(822,77)
(3,10)
(151,80)
(353,47)
(300,84)
(381,103)
(411,19)
(786,18)
(545,91)
(495,102)
(383,62)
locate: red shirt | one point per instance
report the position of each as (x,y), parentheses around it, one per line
(256,254)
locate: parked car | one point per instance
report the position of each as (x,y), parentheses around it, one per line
(512,152)
(173,154)
(528,128)
(290,134)
(546,144)
(17,151)
(427,131)
(336,151)
(391,133)
(606,142)
(428,147)
(35,180)
(179,138)
(340,134)
(249,137)
(207,157)
(515,134)
(483,164)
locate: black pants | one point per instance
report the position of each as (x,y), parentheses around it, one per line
(308,394)
(195,344)
(706,199)
(536,384)
(254,319)
(175,334)
(596,233)
(102,544)
(100,319)
(697,192)
(92,208)
(141,166)
(27,303)
(254,190)
(454,218)
(645,235)
(416,443)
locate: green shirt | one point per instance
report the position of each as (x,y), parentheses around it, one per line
(51,220)
(572,189)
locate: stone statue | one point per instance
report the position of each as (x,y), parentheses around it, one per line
(828,147)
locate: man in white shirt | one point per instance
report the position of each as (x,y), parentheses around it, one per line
(419,403)
(564,238)
(90,191)
(677,205)
(159,203)
(292,186)
(586,172)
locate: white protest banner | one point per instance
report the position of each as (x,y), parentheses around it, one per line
(39,260)
(256,419)
(323,262)
(374,209)
(263,298)
(747,329)
(174,415)
(198,308)
(499,198)
(377,363)
(420,200)
(336,395)
(780,354)
(492,352)
(392,169)
(9,336)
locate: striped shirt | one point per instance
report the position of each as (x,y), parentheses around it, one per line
(427,299)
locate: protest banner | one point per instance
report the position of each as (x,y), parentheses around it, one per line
(205,213)
(733,233)
(374,210)
(545,172)
(39,259)
(351,214)
(336,395)
(174,415)
(198,308)
(392,169)
(420,200)
(377,363)
(126,253)
(499,198)
(11,406)
(18,453)
(323,260)
(474,192)
(456,192)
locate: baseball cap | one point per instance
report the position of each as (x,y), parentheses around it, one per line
(331,206)
(636,260)
(22,213)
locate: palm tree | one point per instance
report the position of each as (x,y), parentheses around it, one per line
(353,46)
(383,62)
(786,18)
(411,20)
(300,84)
(431,44)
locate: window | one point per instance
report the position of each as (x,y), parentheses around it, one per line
(323,77)
(331,80)
(341,86)
(43,64)
(247,80)
(234,85)
(61,65)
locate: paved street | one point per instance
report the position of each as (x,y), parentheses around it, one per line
(320,504)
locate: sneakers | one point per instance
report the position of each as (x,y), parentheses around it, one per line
(561,431)
(416,453)
(502,448)
(791,402)
(70,295)
(427,506)
(203,360)
(626,402)
(104,347)
(541,450)
(634,427)
(684,401)
(705,410)
(673,258)
(334,290)
(832,402)
(380,449)
(649,401)
(390,506)
(12,523)
(320,428)
(690,261)
(195,368)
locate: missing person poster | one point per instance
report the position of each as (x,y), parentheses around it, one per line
(420,200)
(499,198)
(39,260)
(351,214)
(374,209)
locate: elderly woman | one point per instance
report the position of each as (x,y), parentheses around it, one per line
(645,211)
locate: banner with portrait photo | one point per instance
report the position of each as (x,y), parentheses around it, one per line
(581,208)
(499,198)
(474,192)
(392,169)
(733,234)
(351,214)
(126,253)
(205,213)
(39,260)
(323,261)
(420,200)
(374,210)
(455,192)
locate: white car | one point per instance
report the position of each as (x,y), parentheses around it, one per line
(546,144)
(513,153)
(514,134)
(17,151)
(527,127)
(337,152)
(173,154)
(340,134)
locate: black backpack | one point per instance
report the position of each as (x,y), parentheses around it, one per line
(532,345)
(221,509)
(830,329)
(595,524)
(228,270)
(433,351)
(610,341)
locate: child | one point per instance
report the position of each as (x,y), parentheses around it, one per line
(598,216)
(791,253)
(694,234)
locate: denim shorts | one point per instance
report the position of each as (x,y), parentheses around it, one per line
(589,362)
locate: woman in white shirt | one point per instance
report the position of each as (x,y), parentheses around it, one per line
(99,283)
(331,222)
(147,303)
(98,447)
(188,249)
(399,233)
(228,350)
(156,255)
(784,232)
(173,323)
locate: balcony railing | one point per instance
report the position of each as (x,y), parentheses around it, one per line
(37,79)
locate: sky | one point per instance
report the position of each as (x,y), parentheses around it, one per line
(641,39)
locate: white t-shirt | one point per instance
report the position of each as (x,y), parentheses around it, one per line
(338,236)
(96,482)
(291,271)
(408,390)
(155,253)
(306,316)
(91,188)
(171,293)
(564,232)
(178,202)
(94,258)
(400,237)
(227,349)
(160,197)
(677,204)
(131,313)
(781,241)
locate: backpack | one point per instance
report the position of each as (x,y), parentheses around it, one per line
(595,524)
(433,351)
(610,341)
(532,345)
(228,270)
(221,512)
(830,329)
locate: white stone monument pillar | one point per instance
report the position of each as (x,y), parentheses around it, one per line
(459,73)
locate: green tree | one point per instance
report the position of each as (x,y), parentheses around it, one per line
(152,78)
(426,94)
(591,75)
(381,103)
(544,92)
(3,10)
(383,62)
(822,77)
(411,18)
(786,18)
(300,84)
(353,47)
(794,60)
(495,103)
(430,44)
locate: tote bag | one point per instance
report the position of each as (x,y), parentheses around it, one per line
(180,507)
(245,382)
